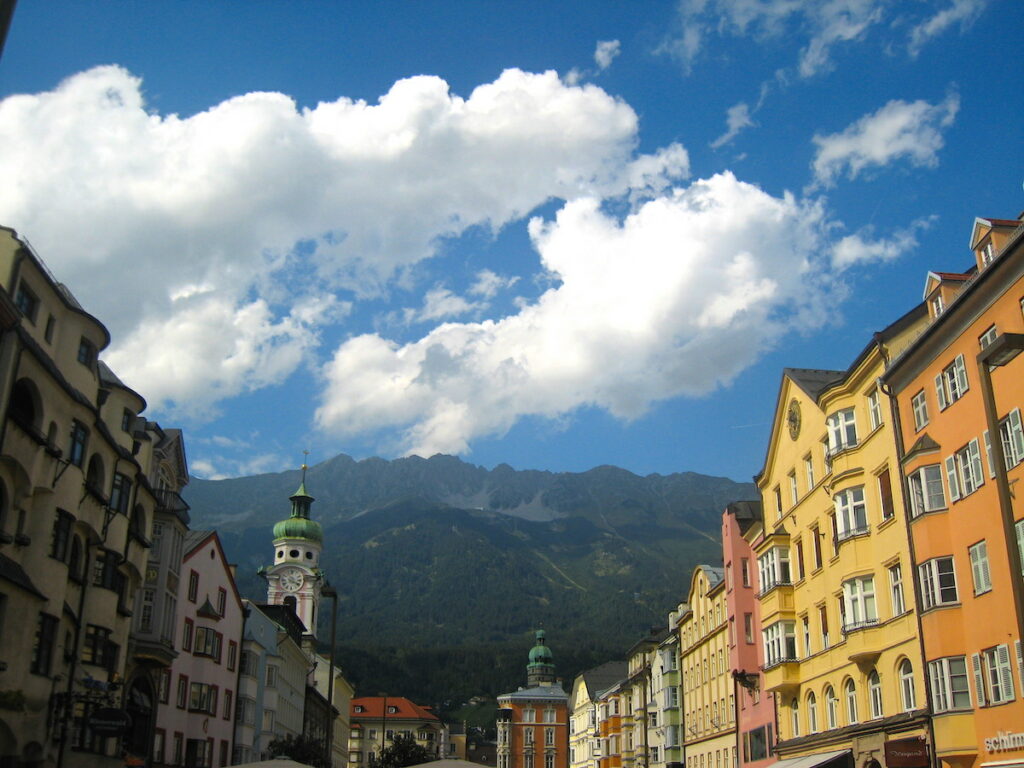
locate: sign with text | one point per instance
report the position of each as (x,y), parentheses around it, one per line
(906,753)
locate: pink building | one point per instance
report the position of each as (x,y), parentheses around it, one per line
(741,524)
(195,717)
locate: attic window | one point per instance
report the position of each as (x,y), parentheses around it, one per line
(937,305)
(26,300)
(127,417)
(392,710)
(987,254)
(359,708)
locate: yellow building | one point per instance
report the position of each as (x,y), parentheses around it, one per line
(584,731)
(708,700)
(834,574)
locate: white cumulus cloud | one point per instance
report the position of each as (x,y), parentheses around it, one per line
(962,12)
(675,298)
(246,216)
(899,130)
(862,246)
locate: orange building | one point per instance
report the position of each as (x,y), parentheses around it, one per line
(533,722)
(959,392)
(611,704)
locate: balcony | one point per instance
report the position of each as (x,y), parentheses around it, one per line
(852,533)
(782,675)
(170,502)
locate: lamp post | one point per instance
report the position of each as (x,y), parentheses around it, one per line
(997,354)
(332,593)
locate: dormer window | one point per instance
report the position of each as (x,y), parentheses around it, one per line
(986,254)
(937,305)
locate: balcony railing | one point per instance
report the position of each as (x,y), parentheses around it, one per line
(853,626)
(851,533)
(840,447)
(171,502)
(775,585)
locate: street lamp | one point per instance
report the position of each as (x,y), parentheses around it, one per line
(997,354)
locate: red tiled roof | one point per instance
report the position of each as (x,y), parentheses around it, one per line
(373,708)
(1003,222)
(952,275)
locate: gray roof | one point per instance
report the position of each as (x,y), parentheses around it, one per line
(194,538)
(539,692)
(746,513)
(602,677)
(813,381)
(715,575)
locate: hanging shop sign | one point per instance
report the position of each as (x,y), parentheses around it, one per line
(107,721)
(906,753)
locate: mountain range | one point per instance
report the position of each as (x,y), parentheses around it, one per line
(444,568)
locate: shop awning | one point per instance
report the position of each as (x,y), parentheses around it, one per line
(812,761)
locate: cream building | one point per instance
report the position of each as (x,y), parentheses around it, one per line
(77,501)
(708,696)
(584,734)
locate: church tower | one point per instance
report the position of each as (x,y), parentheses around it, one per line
(541,669)
(295,578)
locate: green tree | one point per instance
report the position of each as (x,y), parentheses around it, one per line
(402,751)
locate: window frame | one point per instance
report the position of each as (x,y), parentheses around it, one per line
(931,580)
(919,408)
(922,484)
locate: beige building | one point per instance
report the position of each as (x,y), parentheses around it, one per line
(376,720)
(77,502)
(709,725)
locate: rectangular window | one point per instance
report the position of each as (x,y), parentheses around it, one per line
(208,643)
(816,535)
(86,352)
(1011,436)
(875,408)
(26,300)
(885,494)
(773,568)
(181,699)
(938,582)
(745,570)
(998,674)
(920,407)
(780,643)
(980,572)
(46,639)
(800,561)
(859,598)
(79,438)
(99,649)
(949,684)
(899,605)
(823,621)
(794,492)
(193,586)
(851,513)
(806,625)
(842,430)
(222,600)
(987,337)
(61,536)
(186,635)
(271,676)
(202,697)
(778,501)
(127,419)
(158,745)
(232,655)
(120,493)
(926,494)
(809,471)
(748,627)
(951,384)
(963,471)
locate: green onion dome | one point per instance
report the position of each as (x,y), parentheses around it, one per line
(299,526)
(540,653)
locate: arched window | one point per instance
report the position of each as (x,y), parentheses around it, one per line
(875,694)
(907,692)
(94,474)
(24,406)
(831,707)
(794,707)
(812,713)
(851,702)
(75,559)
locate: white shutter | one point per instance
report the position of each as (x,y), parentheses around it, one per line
(961,374)
(954,485)
(975,553)
(1005,672)
(1016,434)
(938,686)
(988,453)
(975,452)
(940,392)
(979,680)
(1020,665)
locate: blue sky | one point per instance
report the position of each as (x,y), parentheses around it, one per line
(551,234)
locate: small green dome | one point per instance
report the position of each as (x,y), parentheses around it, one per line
(540,653)
(298,528)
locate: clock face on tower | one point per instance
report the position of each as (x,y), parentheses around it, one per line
(291,579)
